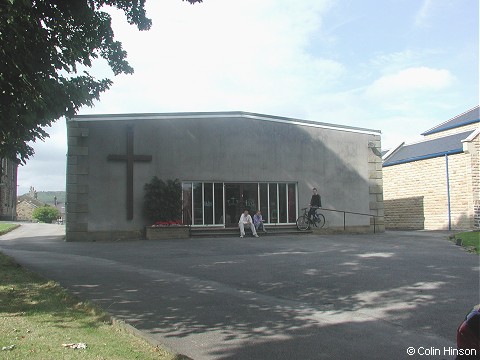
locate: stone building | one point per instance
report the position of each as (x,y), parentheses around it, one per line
(226,161)
(26,204)
(8,189)
(434,184)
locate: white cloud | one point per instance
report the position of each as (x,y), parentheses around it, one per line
(410,82)
(221,56)
(390,63)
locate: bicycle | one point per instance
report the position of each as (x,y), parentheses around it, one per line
(304,222)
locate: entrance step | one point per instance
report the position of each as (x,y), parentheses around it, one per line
(212,231)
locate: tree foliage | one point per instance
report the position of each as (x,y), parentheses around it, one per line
(163,200)
(44,46)
(46,214)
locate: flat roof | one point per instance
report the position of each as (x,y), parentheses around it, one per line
(222,114)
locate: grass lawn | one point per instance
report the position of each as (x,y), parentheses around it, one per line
(37,317)
(5,228)
(470,239)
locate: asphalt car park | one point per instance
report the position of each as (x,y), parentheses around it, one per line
(395,295)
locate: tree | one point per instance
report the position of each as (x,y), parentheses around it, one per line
(44,43)
(46,214)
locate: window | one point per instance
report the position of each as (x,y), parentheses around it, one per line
(206,203)
(197,203)
(218,203)
(282,202)
(272,200)
(292,203)
(187,203)
(264,202)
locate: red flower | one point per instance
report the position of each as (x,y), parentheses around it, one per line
(168,223)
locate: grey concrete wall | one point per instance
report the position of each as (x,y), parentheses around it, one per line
(339,163)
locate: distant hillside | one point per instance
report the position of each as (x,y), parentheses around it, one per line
(48,196)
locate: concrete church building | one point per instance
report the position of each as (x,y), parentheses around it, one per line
(226,161)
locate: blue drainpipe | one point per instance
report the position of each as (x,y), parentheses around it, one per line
(448,194)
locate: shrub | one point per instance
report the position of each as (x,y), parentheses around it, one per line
(46,214)
(163,200)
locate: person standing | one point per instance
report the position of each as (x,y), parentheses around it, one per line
(246,220)
(258,221)
(315,203)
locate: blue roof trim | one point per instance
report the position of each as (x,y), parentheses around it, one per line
(424,157)
(434,131)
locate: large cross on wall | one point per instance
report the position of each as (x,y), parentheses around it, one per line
(130,158)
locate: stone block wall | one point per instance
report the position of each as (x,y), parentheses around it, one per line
(476,218)
(77,183)
(420,187)
(405,213)
(25,211)
(375,174)
(473,148)
(8,189)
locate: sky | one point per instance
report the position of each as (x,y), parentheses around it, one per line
(399,66)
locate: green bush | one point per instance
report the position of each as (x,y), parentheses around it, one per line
(163,200)
(46,214)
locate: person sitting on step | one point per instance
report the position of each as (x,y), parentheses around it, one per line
(258,221)
(246,220)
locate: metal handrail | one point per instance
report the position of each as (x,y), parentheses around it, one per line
(353,213)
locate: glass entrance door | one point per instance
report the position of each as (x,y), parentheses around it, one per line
(239,197)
